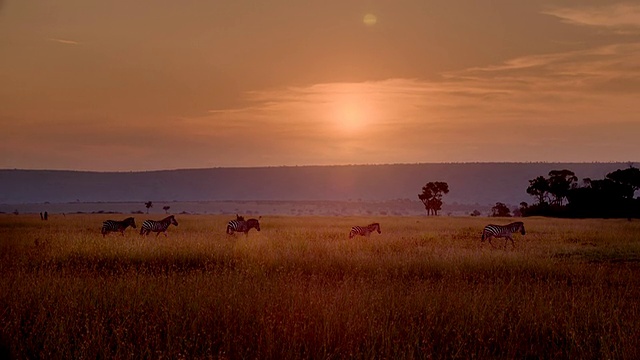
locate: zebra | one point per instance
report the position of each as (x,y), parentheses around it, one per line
(504,231)
(113,226)
(364,230)
(242,226)
(157,226)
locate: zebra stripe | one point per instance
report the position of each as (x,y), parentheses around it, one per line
(242,226)
(157,226)
(364,230)
(113,226)
(505,231)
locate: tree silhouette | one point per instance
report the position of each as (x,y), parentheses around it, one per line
(613,196)
(560,182)
(629,178)
(475,213)
(166,209)
(148,204)
(431,196)
(539,188)
(500,210)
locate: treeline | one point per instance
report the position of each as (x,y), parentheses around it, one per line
(562,195)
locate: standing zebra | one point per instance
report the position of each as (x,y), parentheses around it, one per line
(505,231)
(242,226)
(157,226)
(364,230)
(113,226)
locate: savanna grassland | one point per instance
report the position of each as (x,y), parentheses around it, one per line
(424,288)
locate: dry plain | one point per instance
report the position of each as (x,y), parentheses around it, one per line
(424,288)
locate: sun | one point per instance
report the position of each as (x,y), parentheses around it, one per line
(370,19)
(350,112)
(351,117)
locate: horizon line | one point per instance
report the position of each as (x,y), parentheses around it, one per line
(630,163)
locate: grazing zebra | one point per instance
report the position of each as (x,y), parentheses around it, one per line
(113,226)
(242,226)
(364,230)
(157,226)
(505,231)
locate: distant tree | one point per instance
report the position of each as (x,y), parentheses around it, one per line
(500,210)
(148,204)
(560,182)
(431,196)
(522,210)
(166,209)
(629,177)
(539,188)
(475,213)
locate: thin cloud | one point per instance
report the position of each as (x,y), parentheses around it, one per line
(622,17)
(64,41)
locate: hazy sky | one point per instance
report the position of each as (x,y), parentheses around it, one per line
(164,84)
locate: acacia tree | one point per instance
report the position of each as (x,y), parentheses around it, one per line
(539,188)
(166,209)
(431,196)
(560,183)
(500,210)
(629,178)
(148,204)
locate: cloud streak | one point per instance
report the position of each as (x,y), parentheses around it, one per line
(64,41)
(621,17)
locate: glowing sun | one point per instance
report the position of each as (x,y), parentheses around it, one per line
(370,19)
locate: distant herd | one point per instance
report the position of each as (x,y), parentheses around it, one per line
(241,225)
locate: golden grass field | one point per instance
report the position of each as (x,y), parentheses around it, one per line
(425,288)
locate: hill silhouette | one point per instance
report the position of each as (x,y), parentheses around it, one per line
(470,183)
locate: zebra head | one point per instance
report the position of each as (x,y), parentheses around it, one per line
(130,222)
(376,227)
(522,228)
(173,220)
(253,223)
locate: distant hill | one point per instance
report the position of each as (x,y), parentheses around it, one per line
(469,183)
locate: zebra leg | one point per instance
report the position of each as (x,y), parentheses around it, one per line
(489,237)
(512,242)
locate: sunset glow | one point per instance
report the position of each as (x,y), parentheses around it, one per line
(228,84)
(370,19)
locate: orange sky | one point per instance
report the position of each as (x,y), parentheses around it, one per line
(142,85)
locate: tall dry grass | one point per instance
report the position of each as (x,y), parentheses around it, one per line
(424,288)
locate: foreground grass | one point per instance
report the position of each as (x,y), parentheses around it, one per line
(425,288)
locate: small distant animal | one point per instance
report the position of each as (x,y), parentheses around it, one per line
(502,231)
(242,226)
(158,226)
(119,226)
(364,230)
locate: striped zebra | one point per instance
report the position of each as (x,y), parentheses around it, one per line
(364,230)
(242,226)
(113,226)
(505,231)
(157,226)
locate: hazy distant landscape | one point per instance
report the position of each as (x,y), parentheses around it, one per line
(304,190)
